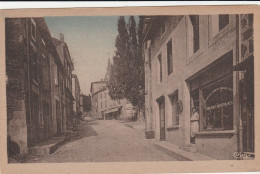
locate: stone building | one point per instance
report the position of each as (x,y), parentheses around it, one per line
(58,94)
(206,62)
(29,49)
(103,107)
(95,88)
(67,65)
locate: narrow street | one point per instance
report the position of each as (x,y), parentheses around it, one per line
(108,141)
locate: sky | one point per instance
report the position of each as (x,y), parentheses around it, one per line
(91,42)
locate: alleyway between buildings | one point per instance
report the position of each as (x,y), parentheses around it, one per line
(107,141)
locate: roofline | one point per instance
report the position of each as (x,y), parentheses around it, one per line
(95,82)
(41,21)
(67,48)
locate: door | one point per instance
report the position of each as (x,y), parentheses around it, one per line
(58,117)
(35,119)
(162,120)
(247,111)
(45,126)
(63,111)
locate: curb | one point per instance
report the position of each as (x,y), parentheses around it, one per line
(179,153)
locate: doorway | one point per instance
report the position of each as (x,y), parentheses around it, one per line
(161,103)
(35,119)
(58,117)
(247,110)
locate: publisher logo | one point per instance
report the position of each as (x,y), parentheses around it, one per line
(243,155)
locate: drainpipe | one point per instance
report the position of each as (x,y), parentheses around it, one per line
(238,54)
(28,81)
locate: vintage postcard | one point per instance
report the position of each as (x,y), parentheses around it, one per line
(130,90)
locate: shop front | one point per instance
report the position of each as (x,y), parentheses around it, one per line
(212,94)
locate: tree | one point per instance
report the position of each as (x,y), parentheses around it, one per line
(127,73)
(117,85)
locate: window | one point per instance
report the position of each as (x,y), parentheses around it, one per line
(218,23)
(212,94)
(223,21)
(160,67)
(195,24)
(169,57)
(33,29)
(218,107)
(175,108)
(34,65)
(45,76)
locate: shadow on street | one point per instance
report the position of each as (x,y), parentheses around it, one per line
(80,131)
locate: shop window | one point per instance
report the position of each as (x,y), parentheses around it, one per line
(169,57)
(195,26)
(212,94)
(160,68)
(175,109)
(218,106)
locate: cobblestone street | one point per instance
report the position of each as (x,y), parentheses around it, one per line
(110,141)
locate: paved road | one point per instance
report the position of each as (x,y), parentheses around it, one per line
(112,141)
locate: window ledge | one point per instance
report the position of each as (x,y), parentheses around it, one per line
(221,132)
(173,127)
(195,55)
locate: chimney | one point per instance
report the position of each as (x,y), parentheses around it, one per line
(61,37)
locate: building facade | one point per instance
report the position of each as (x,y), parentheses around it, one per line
(103,107)
(58,95)
(64,54)
(95,88)
(29,49)
(38,84)
(203,62)
(85,104)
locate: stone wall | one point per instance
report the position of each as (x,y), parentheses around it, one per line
(16,84)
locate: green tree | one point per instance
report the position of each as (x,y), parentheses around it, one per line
(117,85)
(127,74)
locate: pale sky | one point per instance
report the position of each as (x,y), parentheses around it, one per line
(91,40)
